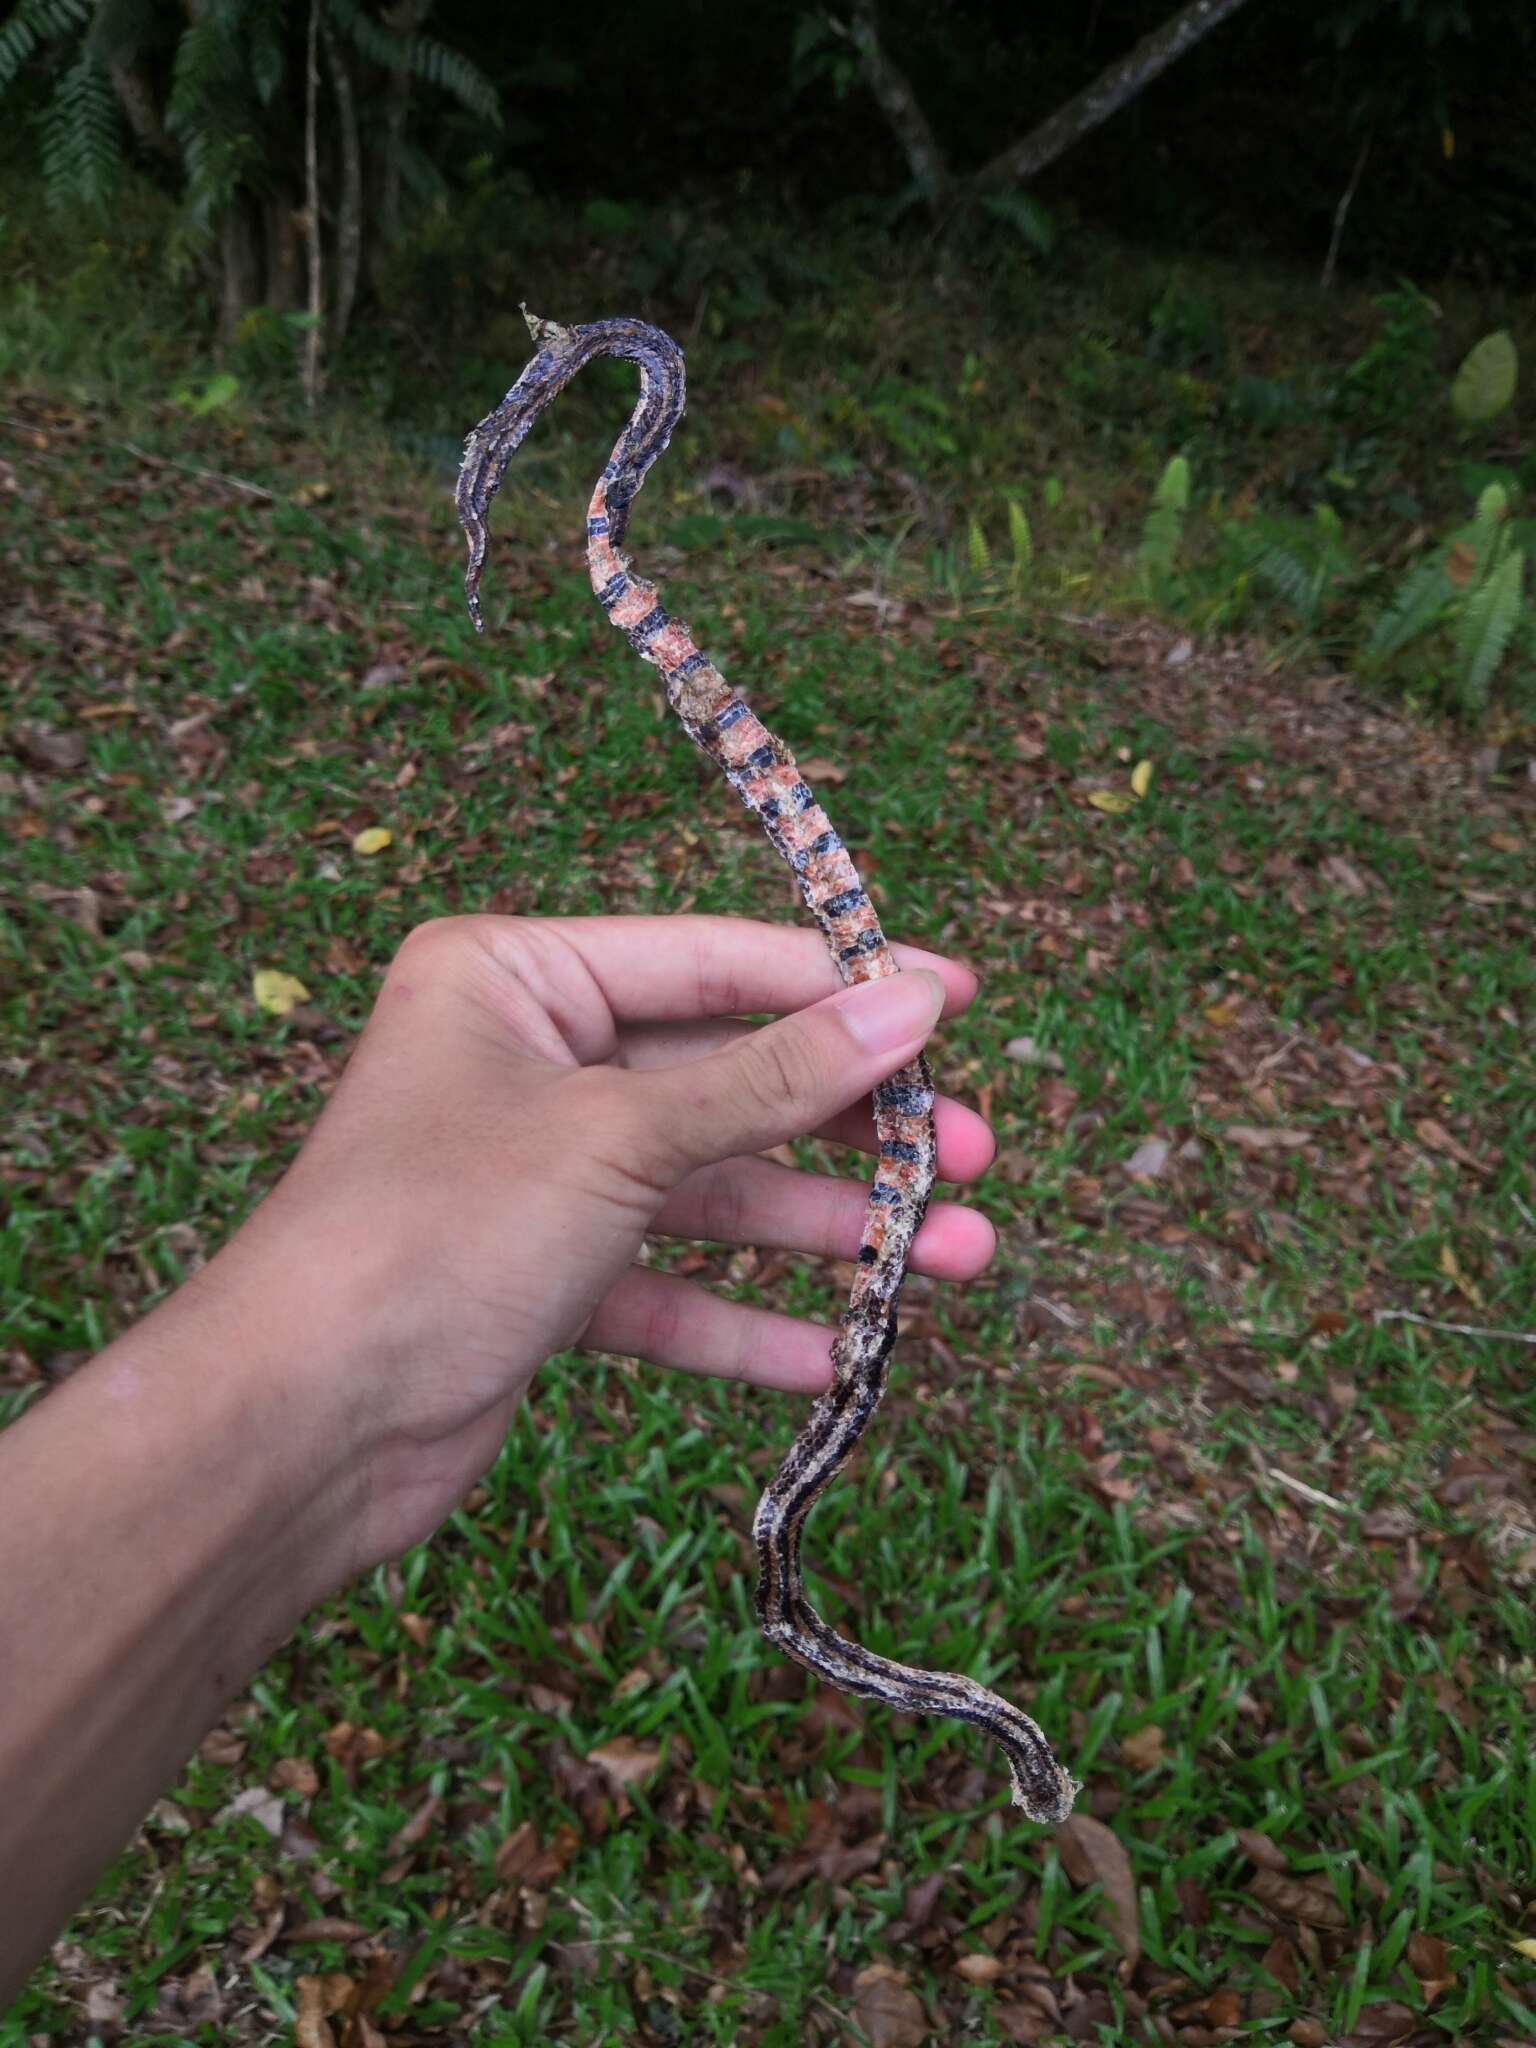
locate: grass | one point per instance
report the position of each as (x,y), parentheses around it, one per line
(1313,924)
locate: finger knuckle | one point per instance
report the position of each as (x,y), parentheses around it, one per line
(779,1073)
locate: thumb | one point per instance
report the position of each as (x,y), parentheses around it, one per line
(793,1075)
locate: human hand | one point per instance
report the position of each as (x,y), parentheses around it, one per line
(530,1098)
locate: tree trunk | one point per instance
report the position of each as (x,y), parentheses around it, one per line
(136,97)
(349,211)
(314,335)
(281,224)
(239,271)
(1109,92)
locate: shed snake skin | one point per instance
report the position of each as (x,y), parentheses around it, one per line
(762,771)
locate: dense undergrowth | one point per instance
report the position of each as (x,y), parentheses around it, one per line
(862,390)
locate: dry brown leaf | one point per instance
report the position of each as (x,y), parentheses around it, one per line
(1265,1138)
(418,1824)
(294,1774)
(1439,1139)
(45,746)
(890,2014)
(1261,1850)
(1378,2024)
(1144,1748)
(1092,1854)
(326,1928)
(263,1807)
(625,1761)
(521,1859)
(818,770)
(979,1968)
(1312,1904)
(1148,1160)
(318,1998)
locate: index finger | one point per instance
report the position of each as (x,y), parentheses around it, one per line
(660,970)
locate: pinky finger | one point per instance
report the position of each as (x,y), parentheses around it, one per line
(669,1321)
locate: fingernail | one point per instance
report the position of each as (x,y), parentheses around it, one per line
(882,1015)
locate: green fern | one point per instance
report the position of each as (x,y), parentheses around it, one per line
(1020,539)
(1483,631)
(34,22)
(977,553)
(82,136)
(1418,606)
(1163,528)
(424,57)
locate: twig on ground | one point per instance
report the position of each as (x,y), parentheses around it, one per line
(211,476)
(1311,1493)
(1403,1315)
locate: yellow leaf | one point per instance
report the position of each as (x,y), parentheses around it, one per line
(1222,1016)
(1141,777)
(1450,1266)
(374,840)
(1448,142)
(1526,1948)
(277,993)
(1112,800)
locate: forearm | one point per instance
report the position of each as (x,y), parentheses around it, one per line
(166,1518)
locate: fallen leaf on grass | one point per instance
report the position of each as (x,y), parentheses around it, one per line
(1029,1054)
(818,770)
(979,1968)
(1264,1138)
(1144,1748)
(1439,1139)
(1262,1851)
(263,1807)
(890,2014)
(625,1761)
(373,840)
(318,1998)
(277,993)
(1092,1854)
(420,1821)
(1141,777)
(522,1859)
(1313,1905)
(45,746)
(1378,2024)
(1114,801)
(327,1928)
(1148,1160)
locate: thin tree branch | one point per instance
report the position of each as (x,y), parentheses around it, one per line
(1403,1315)
(1119,83)
(349,213)
(898,102)
(1336,237)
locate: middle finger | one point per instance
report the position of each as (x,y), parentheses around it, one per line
(755,1201)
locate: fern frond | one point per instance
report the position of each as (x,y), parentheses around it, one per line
(978,554)
(1488,619)
(1019,538)
(82,136)
(1416,608)
(370,38)
(1164,525)
(453,73)
(34,22)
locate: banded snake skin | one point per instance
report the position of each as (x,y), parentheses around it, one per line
(762,771)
